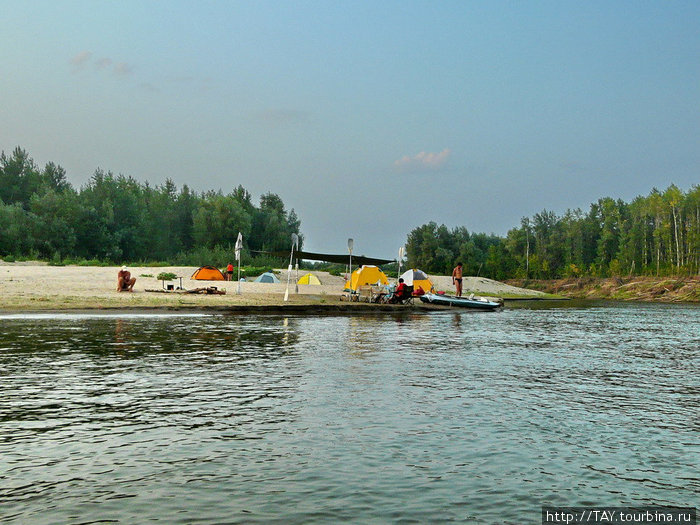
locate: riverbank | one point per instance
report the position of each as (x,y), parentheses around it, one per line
(40,287)
(650,289)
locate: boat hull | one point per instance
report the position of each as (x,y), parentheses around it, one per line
(459,302)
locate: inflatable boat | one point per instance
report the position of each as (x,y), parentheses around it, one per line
(478,303)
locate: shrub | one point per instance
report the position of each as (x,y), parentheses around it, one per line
(91,262)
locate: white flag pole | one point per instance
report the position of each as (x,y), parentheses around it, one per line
(239,245)
(400,257)
(295,241)
(351,243)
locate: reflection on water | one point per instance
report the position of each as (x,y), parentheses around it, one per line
(479,417)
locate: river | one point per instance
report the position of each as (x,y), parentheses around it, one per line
(392,418)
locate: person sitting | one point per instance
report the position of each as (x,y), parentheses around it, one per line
(401,293)
(125,282)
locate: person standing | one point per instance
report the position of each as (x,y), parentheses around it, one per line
(229,272)
(457,279)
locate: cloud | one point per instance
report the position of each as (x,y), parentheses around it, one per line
(147,86)
(103,63)
(423,161)
(123,69)
(80,60)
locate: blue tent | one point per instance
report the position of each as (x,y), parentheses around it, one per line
(267,277)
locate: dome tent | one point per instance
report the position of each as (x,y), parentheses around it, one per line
(267,277)
(208,273)
(365,275)
(309,278)
(417,279)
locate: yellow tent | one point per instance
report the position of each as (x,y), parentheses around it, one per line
(309,278)
(417,279)
(365,275)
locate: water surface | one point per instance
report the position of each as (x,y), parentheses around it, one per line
(413,418)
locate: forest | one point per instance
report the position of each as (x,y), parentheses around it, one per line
(116,219)
(654,235)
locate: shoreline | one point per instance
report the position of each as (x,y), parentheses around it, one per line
(341,307)
(674,289)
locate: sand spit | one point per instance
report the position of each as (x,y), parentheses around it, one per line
(37,286)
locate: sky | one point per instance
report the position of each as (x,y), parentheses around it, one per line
(368,118)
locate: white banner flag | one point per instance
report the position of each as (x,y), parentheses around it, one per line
(239,245)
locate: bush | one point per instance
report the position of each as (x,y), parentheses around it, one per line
(56,260)
(253,271)
(166,276)
(220,256)
(149,264)
(92,262)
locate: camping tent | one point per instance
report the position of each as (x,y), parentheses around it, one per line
(417,279)
(309,278)
(208,273)
(267,277)
(366,275)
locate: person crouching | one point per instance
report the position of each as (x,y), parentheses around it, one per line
(125,282)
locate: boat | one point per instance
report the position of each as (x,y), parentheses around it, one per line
(477,303)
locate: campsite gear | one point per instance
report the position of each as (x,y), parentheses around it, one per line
(478,303)
(208,290)
(309,278)
(267,277)
(208,273)
(365,275)
(417,279)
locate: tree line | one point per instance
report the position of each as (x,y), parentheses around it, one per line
(654,235)
(115,218)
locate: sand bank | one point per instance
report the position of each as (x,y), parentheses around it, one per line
(37,286)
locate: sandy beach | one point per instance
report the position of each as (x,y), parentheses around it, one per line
(35,286)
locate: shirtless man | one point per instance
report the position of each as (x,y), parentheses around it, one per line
(125,282)
(457,279)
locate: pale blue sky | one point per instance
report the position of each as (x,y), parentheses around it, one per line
(368,118)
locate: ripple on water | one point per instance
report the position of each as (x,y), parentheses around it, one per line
(412,418)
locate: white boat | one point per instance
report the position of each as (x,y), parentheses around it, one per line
(479,303)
